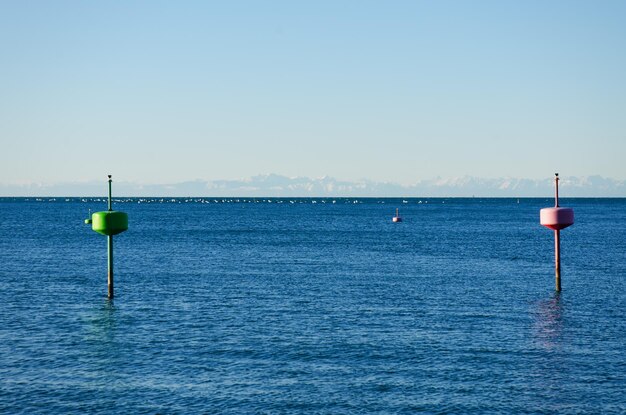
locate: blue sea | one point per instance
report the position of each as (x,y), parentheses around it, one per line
(312,306)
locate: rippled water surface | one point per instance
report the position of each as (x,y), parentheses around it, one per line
(310,306)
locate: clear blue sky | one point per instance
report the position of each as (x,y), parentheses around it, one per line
(166,91)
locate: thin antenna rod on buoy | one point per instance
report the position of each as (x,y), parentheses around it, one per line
(110,204)
(556,218)
(110,285)
(557,238)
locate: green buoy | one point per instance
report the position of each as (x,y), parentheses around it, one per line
(109,223)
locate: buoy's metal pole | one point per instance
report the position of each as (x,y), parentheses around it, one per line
(110,206)
(557,238)
(556,189)
(557,258)
(110,250)
(110,267)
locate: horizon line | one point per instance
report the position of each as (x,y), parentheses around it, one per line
(308,197)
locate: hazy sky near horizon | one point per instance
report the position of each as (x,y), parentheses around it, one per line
(162,91)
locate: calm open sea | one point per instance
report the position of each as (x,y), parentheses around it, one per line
(312,306)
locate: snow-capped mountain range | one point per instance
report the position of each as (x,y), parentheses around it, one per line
(273,185)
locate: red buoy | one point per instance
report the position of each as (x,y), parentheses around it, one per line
(557,218)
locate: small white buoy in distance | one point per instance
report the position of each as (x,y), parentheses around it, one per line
(397,218)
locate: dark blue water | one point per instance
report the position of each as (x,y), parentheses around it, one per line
(303,307)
